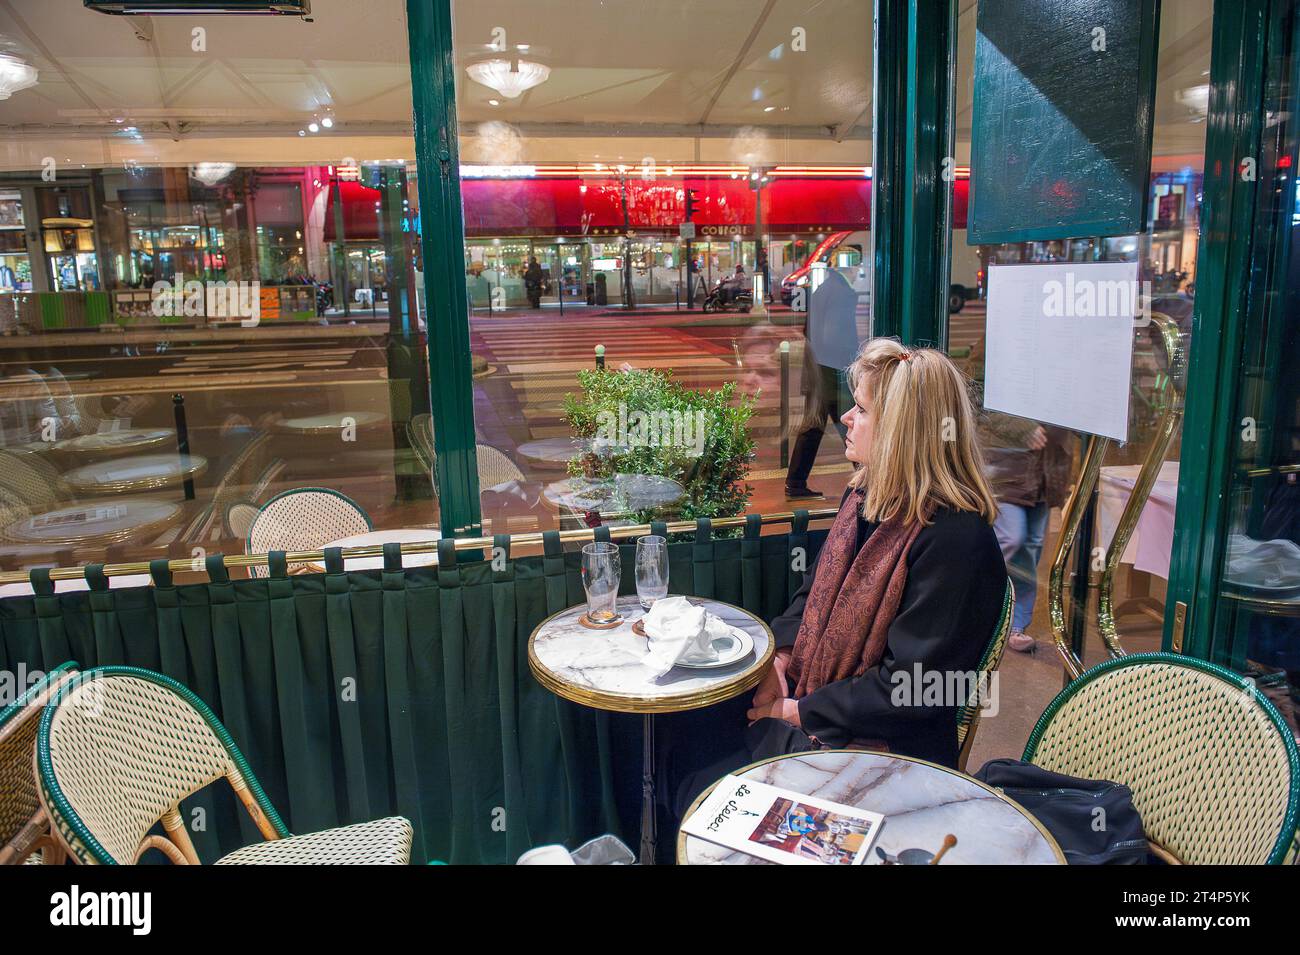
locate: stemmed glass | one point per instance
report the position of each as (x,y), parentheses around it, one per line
(601,570)
(651,569)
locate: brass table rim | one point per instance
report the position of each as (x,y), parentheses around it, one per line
(108,537)
(284,427)
(633,703)
(1047,836)
(149,437)
(196,466)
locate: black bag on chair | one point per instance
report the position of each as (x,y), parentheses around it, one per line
(1092,820)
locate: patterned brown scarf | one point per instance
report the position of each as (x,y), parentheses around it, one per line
(852,602)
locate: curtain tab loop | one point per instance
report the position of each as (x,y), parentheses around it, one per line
(161,572)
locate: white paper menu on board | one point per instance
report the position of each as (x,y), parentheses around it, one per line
(1059,345)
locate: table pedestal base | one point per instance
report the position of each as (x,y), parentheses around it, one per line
(648,825)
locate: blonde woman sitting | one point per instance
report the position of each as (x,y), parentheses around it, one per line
(902,601)
(909,584)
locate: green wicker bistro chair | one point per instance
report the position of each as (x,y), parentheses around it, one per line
(968,717)
(1213,767)
(24,827)
(304,519)
(118,750)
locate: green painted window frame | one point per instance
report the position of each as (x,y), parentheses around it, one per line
(1243,30)
(442,243)
(915,64)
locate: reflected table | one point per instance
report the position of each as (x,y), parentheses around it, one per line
(100,522)
(116,442)
(922,802)
(614,495)
(399,535)
(603,669)
(554,450)
(331,422)
(145,472)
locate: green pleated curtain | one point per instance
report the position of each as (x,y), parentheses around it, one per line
(356,695)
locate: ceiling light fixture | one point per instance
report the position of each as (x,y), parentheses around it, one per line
(510,78)
(211,173)
(327,122)
(15,74)
(313,127)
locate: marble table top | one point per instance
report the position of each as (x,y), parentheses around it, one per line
(921,802)
(603,668)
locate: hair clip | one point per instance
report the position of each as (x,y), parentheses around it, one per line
(904,356)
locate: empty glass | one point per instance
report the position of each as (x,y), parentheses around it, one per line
(601,570)
(651,570)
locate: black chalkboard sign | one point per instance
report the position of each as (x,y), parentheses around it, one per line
(1061,140)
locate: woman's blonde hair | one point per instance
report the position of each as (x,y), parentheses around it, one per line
(924,453)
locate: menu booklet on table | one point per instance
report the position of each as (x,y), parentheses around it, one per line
(783,826)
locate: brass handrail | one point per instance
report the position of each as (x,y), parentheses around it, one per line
(1170,416)
(1071,516)
(417,547)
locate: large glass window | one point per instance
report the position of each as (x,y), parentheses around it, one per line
(210,283)
(1257,625)
(688,185)
(1033,464)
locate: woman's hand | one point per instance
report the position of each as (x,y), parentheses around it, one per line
(774,685)
(782,709)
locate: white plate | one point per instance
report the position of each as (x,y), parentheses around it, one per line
(738,646)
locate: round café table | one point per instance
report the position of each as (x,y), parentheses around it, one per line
(614,495)
(399,535)
(96,522)
(330,423)
(921,801)
(145,472)
(554,450)
(116,442)
(603,669)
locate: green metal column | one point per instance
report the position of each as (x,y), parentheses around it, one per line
(442,237)
(916,64)
(888,179)
(929,168)
(1223,274)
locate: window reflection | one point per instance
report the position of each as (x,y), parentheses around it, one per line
(210,281)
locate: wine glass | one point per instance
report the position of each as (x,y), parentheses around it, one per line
(601,570)
(651,569)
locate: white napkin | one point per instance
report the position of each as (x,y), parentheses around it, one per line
(679,632)
(1273,564)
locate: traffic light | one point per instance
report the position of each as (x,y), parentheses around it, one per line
(691,204)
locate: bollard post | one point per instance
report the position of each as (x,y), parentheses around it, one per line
(600,357)
(785,404)
(183,443)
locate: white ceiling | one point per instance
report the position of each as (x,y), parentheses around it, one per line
(681,80)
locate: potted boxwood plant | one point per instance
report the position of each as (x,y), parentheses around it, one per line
(642,421)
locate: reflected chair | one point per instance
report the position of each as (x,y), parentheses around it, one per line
(24,827)
(32,481)
(1213,768)
(208,523)
(304,519)
(495,469)
(118,750)
(968,715)
(239,519)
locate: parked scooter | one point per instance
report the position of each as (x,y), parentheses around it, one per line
(741,300)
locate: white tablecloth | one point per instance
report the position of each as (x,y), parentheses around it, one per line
(1151,546)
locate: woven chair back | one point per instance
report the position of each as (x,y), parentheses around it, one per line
(1211,763)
